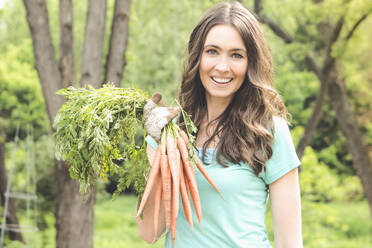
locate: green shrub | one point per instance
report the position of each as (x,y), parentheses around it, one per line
(318,182)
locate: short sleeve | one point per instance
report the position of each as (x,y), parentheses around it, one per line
(284,158)
(151,141)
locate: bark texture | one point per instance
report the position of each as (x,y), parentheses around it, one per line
(11,217)
(74,217)
(45,61)
(93,44)
(115,61)
(66,62)
(354,139)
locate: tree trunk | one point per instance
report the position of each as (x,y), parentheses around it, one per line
(66,61)
(74,217)
(115,61)
(12,211)
(313,121)
(45,62)
(93,44)
(354,138)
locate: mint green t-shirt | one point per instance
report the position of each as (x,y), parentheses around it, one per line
(239,221)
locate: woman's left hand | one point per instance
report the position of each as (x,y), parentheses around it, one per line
(156,115)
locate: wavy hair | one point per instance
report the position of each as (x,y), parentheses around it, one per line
(243,128)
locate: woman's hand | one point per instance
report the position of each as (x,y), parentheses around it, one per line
(156,115)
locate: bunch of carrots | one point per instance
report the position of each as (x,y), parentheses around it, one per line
(174,166)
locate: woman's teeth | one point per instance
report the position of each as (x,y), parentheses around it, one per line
(221,80)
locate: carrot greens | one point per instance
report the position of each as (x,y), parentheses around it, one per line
(95,133)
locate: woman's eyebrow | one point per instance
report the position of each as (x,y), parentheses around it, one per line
(231,50)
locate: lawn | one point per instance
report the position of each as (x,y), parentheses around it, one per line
(341,224)
(331,225)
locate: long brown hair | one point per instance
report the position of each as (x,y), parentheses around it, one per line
(243,128)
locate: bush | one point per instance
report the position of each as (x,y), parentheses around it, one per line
(318,182)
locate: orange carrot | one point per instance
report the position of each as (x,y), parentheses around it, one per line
(185,197)
(199,164)
(193,189)
(184,136)
(174,165)
(186,183)
(166,181)
(151,180)
(157,206)
(204,172)
(190,175)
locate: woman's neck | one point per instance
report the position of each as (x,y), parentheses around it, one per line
(215,108)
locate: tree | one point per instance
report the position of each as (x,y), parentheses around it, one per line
(332,84)
(74,217)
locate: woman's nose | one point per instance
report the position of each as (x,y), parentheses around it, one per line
(222,65)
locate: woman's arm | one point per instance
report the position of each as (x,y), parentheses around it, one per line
(286,211)
(146,225)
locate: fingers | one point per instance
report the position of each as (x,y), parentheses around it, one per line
(173,112)
(156,115)
(155,101)
(156,97)
(157,119)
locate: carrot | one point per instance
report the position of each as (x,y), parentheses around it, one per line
(151,180)
(190,175)
(186,183)
(204,172)
(199,165)
(184,136)
(185,197)
(158,194)
(174,165)
(166,181)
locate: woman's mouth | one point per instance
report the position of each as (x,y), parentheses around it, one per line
(220,80)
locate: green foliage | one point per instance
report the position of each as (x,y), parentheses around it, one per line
(91,127)
(319,183)
(21,101)
(15,244)
(305,21)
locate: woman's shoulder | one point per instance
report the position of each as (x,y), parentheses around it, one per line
(278,124)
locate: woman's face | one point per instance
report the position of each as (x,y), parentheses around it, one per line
(223,63)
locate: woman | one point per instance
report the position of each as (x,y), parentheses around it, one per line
(243,138)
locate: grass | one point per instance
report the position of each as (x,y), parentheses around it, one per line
(115,225)
(334,225)
(331,225)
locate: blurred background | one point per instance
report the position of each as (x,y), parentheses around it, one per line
(322,57)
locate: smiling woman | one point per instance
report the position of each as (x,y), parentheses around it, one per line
(243,139)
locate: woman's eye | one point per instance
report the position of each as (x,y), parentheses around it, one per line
(237,56)
(211,51)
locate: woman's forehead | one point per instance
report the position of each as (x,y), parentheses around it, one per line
(224,36)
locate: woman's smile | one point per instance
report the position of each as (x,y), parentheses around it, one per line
(221,80)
